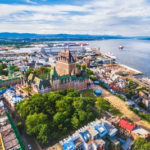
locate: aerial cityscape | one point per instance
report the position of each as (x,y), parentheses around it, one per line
(74,75)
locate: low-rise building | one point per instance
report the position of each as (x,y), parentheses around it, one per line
(140,132)
(13,78)
(146,101)
(93,137)
(144,93)
(134,130)
(2,92)
(74,143)
(127,145)
(99,144)
(11,98)
(101,129)
(126,125)
(9,137)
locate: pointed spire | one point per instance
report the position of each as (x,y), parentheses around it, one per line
(53,74)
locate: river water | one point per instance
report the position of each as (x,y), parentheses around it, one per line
(136,53)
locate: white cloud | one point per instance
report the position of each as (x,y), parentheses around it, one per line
(30,2)
(96,17)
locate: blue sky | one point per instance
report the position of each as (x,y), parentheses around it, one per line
(112,17)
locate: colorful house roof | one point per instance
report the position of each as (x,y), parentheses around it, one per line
(69,145)
(85,136)
(101,129)
(2,91)
(126,124)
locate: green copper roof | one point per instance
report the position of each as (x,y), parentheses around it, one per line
(53,74)
(44,83)
(66,78)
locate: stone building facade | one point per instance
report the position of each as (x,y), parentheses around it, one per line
(65,63)
(64,76)
(13,78)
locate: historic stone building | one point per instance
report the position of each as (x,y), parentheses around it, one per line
(65,63)
(13,78)
(64,76)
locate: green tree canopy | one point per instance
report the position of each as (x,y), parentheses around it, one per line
(102,105)
(83,67)
(141,144)
(37,125)
(3,69)
(57,113)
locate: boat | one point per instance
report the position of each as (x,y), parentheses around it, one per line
(121,47)
(110,55)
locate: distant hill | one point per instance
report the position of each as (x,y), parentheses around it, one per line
(7,35)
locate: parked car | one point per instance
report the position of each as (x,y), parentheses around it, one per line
(29,147)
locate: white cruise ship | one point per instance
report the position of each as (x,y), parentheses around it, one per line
(110,55)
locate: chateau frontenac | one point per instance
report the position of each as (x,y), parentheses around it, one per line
(64,76)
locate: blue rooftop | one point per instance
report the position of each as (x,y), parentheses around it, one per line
(2,91)
(85,136)
(101,129)
(11,89)
(69,145)
(98,92)
(96,82)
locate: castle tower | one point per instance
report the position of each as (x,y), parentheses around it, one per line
(65,63)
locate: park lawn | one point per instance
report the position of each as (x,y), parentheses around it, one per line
(88,93)
(115,111)
(112,110)
(142,115)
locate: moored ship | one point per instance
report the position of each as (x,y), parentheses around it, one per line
(121,47)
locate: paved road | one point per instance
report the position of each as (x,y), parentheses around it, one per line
(123,108)
(27,139)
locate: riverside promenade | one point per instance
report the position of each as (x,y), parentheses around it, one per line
(123,108)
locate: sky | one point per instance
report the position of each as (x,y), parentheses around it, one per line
(96,17)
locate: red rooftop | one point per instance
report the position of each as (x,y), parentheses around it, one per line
(126,125)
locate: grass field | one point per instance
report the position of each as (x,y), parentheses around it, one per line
(88,93)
